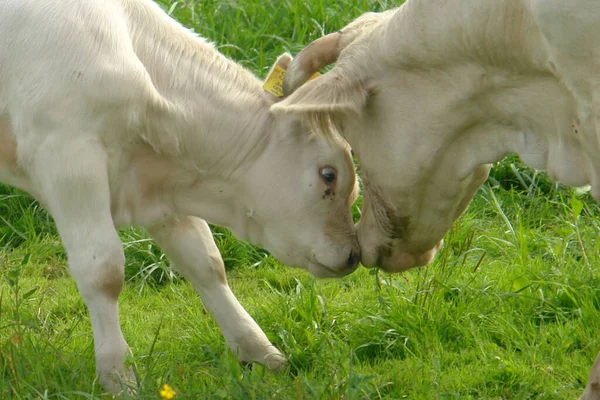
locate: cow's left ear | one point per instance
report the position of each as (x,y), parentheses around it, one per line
(329,93)
(273,83)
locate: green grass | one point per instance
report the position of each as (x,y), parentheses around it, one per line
(508,309)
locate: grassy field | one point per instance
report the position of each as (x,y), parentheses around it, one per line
(508,310)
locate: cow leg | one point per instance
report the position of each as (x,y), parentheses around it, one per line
(189,244)
(71,176)
(592,390)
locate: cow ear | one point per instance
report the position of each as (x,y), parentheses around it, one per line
(329,94)
(273,83)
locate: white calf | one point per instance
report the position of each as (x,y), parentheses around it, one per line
(113,114)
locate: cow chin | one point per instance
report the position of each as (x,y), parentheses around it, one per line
(321,271)
(397,261)
(334,268)
(330,263)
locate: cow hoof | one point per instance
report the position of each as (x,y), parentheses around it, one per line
(275,361)
(118,383)
(272,359)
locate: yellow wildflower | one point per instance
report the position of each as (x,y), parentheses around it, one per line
(166,392)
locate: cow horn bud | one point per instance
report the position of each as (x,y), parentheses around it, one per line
(320,53)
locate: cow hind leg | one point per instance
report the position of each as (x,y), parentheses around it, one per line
(73,184)
(189,244)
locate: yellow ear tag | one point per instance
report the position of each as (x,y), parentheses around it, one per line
(274,82)
(314,76)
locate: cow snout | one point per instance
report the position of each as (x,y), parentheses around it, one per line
(331,264)
(353,260)
(398,261)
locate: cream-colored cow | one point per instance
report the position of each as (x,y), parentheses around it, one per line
(430,93)
(112,114)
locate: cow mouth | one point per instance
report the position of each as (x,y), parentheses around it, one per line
(320,270)
(394,261)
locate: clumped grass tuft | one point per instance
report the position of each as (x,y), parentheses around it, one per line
(508,309)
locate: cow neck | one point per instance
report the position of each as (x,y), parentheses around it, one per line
(521,106)
(221,110)
(539,116)
(218,121)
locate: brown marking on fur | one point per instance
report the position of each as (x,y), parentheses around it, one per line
(218,268)
(390,223)
(328,192)
(399,226)
(112,276)
(112,286)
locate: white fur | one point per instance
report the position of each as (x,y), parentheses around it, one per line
(438,89)
(112,114)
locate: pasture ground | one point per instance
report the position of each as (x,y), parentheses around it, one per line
(508,310)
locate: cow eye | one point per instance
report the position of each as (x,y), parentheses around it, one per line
(328,174)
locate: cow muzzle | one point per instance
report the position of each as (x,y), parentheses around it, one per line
(394,261)
(349,265)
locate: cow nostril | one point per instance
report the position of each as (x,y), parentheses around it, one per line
(353,260)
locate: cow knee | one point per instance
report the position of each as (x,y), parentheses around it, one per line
(205,270)
(216,270)
(99,271)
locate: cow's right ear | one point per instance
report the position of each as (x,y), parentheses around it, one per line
(328,94)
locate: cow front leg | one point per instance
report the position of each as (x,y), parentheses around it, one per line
(73,184)
(189,244)
(592,390)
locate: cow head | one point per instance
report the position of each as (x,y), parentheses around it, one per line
(418,173)
(299,195)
